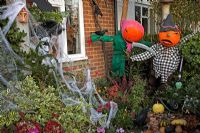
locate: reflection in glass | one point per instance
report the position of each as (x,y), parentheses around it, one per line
(145,24)
(138,13)
(72,27)
(145,11)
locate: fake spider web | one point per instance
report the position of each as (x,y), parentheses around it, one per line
(87,95)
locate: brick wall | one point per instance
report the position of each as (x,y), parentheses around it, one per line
(94,51)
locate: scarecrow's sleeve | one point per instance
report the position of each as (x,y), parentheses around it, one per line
(143,56)
(147,43)
(186,38)
(104,38)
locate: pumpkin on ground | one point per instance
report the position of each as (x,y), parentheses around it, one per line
(158,108)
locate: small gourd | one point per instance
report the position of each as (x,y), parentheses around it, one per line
(148,131)
(158,108)
(162,129)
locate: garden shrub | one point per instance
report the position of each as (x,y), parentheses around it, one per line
(41,105)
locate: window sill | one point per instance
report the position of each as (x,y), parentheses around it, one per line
(72,58)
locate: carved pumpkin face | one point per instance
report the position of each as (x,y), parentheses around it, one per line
(169,38)
(132,31)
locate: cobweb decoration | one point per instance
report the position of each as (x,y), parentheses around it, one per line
(87,95)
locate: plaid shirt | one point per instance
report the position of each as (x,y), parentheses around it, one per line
(186,38)
(165,62)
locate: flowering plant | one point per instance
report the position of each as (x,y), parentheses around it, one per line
(53,127)
(27,127)
(120,130)
(100,130)
(104,108)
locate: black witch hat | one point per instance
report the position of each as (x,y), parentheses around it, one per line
(168,24)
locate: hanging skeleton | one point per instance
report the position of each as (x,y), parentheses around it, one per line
(96,12)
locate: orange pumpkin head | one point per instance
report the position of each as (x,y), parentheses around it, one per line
(169,38)
(132,31)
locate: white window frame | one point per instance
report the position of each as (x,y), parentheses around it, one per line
(65,57)
(141,5)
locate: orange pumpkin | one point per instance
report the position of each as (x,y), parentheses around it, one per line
(132,31)
(169,38)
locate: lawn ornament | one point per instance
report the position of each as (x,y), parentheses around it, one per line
(96,12)
(167,56)
(131,32)
(23,16)
(169,38)
(158,108)
(178,123)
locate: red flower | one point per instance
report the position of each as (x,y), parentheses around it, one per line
(55,115)
(22,115)
(100,108)
(27,126)
(53,127)
(113,91)
(107,105)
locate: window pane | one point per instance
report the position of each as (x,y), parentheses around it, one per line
(145,11)
(72,26)
(145,24)
(152,22)
(138,13)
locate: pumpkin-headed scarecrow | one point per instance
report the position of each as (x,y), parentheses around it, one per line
(167,57)
(131,31)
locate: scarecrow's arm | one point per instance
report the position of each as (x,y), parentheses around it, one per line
(147,43)
(143,56)
(104,38)
(186,38)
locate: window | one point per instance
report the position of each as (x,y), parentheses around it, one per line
(73,39)
(142,15)
(138,10)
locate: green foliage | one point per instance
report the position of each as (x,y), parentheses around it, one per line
(43,16)
(8,118)
(131,102)
(191,54)
(102,82)
(41,104)
(192,95)
(14,35)
(43,74)
(123,118)
(151,38)
(185,13)
(136,94)
(187,97)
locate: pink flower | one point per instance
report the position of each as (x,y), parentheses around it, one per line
(100,130)
(120,130)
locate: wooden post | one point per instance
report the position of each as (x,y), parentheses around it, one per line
(124,9)
(165,8)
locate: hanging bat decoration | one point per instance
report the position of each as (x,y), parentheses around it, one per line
(96,12)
